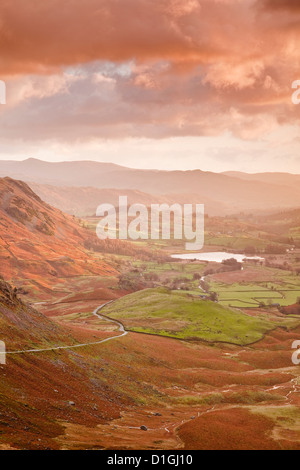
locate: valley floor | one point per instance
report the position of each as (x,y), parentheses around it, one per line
(201,396)
(150,391)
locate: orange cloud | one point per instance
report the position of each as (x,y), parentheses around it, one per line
(40,36)
(290,5)
(147,68)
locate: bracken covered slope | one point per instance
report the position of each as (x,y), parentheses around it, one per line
(38,242)
(39,391)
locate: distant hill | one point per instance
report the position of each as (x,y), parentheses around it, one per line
(282,179)
(84,201)
(85,173)
(233,192)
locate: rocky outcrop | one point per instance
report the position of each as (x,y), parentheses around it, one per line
(9,295)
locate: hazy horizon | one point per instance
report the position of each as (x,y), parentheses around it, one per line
(229,170)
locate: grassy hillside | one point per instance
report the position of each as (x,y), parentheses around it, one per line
(175,314)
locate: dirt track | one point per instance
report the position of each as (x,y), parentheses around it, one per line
(121,328)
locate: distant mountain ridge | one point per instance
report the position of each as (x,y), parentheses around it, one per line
(231,192)
(270,178)
(57,174)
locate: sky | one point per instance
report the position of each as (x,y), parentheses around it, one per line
(168,84)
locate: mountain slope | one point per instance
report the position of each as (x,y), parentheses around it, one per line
(38,242)
(23,327)
(40,391)
(83,202)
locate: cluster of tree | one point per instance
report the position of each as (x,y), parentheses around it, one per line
(130,282)
(124,248)
(213,296)
(284,266)
(232,265)
(226,266)
(275,250)
(197,277)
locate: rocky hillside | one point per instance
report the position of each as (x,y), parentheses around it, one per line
(40,243)
(40,391)
(22,327)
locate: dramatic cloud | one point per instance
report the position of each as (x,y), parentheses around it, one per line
(39,36)
(115,69)
(291,5)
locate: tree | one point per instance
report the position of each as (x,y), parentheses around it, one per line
(213,296)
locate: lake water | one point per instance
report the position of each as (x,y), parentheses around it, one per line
(216,256)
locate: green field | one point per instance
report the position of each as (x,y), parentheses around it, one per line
(239,242)
(173,267)
(178,315)
(280,287)
(283,289)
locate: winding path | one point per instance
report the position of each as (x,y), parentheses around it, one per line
(95,312)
